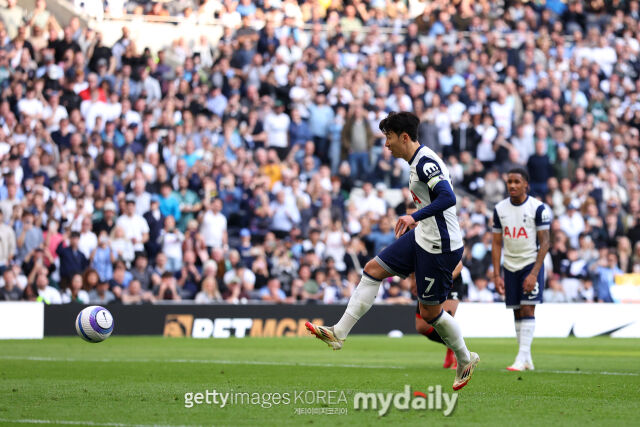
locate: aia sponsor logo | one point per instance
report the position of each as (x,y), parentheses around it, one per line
(416,199)
(515,232)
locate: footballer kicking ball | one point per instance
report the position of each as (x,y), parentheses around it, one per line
(94,324)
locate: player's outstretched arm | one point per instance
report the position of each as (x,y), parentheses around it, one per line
(443,200)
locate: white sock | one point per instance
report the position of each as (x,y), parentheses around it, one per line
(528,326)
(359,303)
(449,331)
(518,324)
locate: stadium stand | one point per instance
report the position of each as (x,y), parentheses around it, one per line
(254,165)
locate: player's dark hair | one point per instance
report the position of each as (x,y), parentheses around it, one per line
(520,171)
(398,123)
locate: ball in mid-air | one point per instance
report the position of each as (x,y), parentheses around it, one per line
(94,324)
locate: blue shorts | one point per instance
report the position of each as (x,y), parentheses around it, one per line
(433,271)
(514,296)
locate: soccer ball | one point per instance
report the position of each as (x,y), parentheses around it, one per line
(94,324)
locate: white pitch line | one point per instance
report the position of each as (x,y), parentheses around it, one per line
(271,363)
(81,423)
(631,374)
(212,362)
(544,371)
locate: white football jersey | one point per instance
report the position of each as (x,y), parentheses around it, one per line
(519,225)
(439,233)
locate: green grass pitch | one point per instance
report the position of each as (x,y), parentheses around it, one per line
(143,380)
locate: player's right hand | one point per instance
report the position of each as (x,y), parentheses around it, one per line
(404,224)
(499,282)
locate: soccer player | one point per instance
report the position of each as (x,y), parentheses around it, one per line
(522,224)
(450,306)
(432,249)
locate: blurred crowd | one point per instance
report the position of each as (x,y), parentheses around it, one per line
(254,169)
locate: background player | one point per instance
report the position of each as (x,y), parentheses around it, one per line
(431,250)
(522,224)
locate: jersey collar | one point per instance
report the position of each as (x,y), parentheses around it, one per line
(415,154)
(519,204)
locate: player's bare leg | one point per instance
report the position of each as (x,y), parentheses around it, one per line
(449,331)
(525,327)
(359,303)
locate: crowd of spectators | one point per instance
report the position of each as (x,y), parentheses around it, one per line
(254,169)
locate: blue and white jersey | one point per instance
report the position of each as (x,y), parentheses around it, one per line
(519,225)
(439,233)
